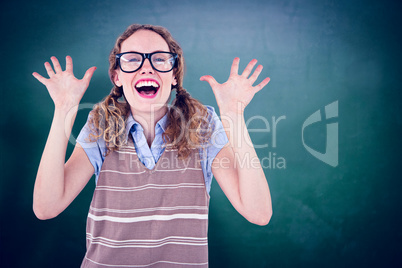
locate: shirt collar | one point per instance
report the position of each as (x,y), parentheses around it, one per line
(132,125)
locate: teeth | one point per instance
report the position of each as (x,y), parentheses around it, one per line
(146,84)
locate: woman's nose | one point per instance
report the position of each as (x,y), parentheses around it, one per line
(146,67)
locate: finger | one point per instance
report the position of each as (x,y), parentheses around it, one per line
(69,64)
(88,74)
(212,82)
(256,73)
(261,85)
(235,66)
(40,78)
(49,69)
(249,68)
(56,64)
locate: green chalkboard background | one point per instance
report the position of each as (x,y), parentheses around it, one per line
(344,53)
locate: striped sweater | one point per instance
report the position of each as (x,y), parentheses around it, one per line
(148,218)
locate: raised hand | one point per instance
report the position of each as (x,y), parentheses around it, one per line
(237,92)
(64,88)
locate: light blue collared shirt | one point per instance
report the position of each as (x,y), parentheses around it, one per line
(149,156)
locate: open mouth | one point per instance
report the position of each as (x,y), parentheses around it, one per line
(147,88)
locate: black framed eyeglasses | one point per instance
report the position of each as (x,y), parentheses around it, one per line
(163,62)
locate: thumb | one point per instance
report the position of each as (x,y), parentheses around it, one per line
(212,82)
(88,74)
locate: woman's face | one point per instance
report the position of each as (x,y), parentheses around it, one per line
(145,41)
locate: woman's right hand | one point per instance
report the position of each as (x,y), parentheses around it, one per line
(64,88)
(57,183)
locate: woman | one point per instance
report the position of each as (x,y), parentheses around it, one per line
(153,161)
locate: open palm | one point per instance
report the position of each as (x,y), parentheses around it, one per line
(237,92)
(64,88)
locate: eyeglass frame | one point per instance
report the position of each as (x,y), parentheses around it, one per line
(146,56)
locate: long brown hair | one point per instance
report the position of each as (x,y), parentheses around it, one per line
(187,118)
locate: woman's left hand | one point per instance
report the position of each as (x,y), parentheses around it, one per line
(236,93)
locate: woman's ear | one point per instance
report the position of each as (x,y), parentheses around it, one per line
(116,79)
(174,82)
